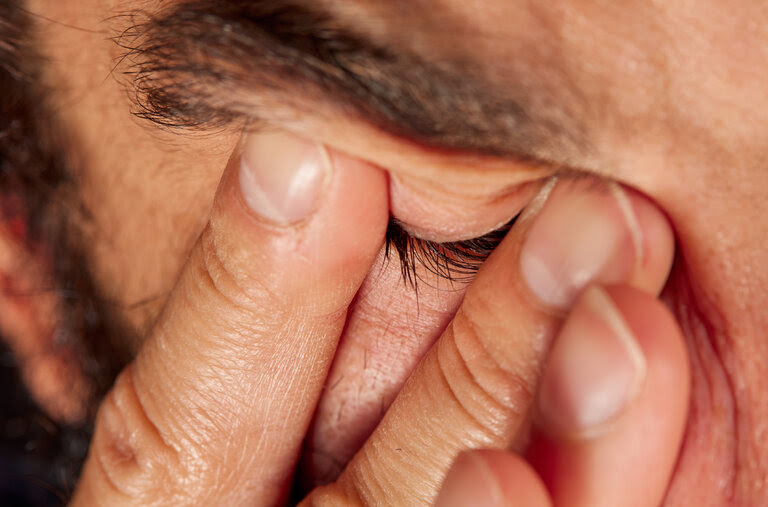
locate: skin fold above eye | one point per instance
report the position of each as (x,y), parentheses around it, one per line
(428,211)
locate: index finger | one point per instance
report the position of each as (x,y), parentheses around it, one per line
(216,404)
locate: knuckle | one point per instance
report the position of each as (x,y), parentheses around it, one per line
(254,288)
(505,388)
(224,276)
(129,451)
(267,280)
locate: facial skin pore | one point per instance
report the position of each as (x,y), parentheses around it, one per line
(669,99)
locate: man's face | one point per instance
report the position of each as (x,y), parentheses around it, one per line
(469,106)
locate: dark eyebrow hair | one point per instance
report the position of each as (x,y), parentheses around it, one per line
(197,64)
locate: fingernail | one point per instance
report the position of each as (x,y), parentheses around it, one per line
(595,368)
(581,235)
(282,176)
(470,482)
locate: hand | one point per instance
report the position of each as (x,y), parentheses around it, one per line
(594,443)
(216,405)
(612,403)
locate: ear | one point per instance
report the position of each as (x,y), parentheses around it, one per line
(29,313)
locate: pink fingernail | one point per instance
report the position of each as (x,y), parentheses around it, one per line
(595,369)
(282,176)
(580,236)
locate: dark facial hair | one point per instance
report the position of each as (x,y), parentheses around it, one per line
(39,457)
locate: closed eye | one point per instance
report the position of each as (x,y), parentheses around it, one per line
(456,261)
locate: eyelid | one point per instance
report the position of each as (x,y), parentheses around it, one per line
(447,208)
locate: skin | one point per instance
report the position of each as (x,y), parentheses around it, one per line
(669,97)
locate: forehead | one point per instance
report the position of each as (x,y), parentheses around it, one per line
(494,25)
(588,37)
(647,61)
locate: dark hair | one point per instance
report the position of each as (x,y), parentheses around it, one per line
(40,458)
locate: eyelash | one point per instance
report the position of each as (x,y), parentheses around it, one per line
(456,261)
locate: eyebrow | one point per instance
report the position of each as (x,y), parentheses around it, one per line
(197,63)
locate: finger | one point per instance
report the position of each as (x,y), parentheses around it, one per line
(474,387)
(613,402)
(390,327)
(396,317)
(215,406)
(492,478)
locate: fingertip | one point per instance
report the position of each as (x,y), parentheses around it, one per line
(520,484)
(655,241)
(630,459)
(594,234)
(357,211)
(655,327)
(298,216)
(667,387)
(594,371)
(492,478)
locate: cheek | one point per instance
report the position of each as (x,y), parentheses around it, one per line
(145,217)
(442,216)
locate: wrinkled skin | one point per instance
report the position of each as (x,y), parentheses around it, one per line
(669,99)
